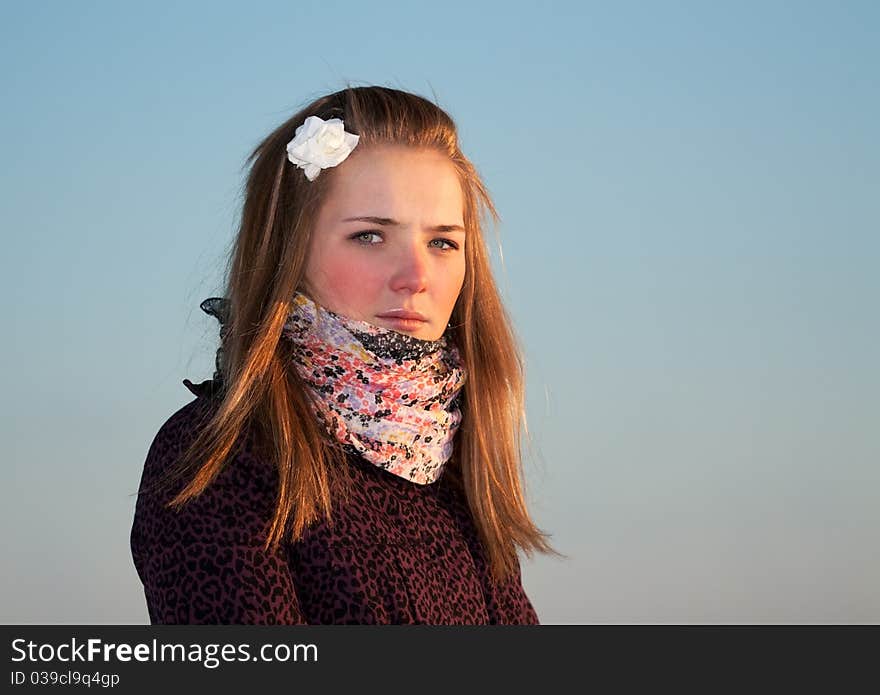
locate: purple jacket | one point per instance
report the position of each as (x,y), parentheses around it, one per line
(397,552)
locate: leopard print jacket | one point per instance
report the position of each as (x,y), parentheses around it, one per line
(397,552)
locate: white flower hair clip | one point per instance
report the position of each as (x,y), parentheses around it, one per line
(318,144)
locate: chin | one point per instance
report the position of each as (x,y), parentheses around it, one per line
(420,334)
(432,335)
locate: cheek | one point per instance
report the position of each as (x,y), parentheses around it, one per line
(345,283)
(451,280)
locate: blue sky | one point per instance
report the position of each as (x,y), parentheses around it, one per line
(689,202)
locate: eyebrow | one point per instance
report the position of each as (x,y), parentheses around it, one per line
(388,222)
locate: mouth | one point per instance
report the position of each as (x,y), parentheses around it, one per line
(403,320)
(402,314)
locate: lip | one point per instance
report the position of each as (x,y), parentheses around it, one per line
(403,314)
(403,325)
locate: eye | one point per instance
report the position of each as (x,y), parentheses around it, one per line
(359,237)
(452,245)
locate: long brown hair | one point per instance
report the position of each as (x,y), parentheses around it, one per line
(266,268)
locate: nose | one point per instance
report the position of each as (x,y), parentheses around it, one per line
(411,270)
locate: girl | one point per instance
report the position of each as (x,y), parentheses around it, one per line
(355,458)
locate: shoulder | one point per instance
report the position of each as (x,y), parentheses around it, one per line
(184,424)
(171,441)
(181,428)
(243,489)
(205,561)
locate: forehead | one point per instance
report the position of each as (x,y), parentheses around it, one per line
(387,180)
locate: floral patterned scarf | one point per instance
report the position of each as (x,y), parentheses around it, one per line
(387,396)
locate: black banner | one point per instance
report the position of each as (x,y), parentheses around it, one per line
(406,658)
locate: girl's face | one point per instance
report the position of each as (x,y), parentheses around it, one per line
(406,255)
